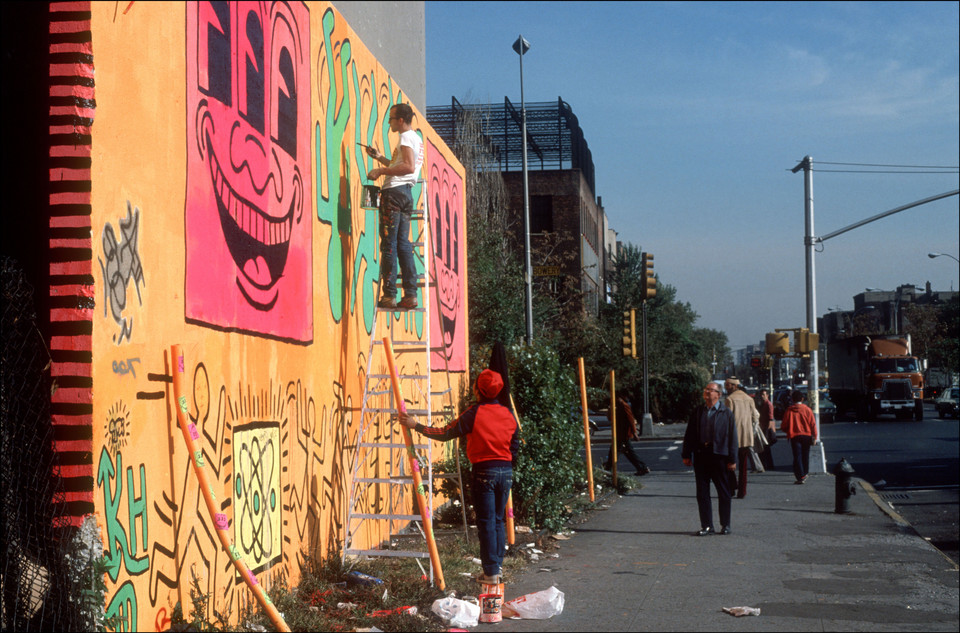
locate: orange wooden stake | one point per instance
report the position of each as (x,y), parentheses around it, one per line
(613,427)
(220,521)
(418,489)
(586,426)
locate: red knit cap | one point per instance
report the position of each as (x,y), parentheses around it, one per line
(489,383)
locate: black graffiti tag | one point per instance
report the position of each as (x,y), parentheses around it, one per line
(122,265)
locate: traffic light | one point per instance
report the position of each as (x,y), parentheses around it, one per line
(647,279)
(630,333)
(807,341)
(778,343)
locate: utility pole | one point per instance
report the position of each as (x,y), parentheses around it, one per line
(809,242)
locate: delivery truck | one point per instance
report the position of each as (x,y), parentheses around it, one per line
(875,375)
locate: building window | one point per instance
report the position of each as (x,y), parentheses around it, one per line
(541,214)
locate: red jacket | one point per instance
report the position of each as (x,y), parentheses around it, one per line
(798,420)
(493,435)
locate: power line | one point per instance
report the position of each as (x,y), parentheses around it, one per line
(821,162)
(879,171)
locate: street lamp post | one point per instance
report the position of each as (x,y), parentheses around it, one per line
(809,243)
(521,46)
(933,255)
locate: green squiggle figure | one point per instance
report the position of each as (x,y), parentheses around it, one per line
(333,209)
(367,251)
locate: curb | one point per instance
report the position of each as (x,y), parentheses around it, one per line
(901,522)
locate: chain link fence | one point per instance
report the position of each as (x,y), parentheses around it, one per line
(37,590)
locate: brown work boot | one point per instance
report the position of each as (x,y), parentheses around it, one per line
(407,303)
(387,303)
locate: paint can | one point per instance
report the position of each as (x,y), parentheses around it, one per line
(491,600)
(370,197)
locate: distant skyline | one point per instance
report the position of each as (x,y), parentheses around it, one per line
(695,113)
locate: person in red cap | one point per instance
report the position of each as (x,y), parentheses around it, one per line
(493,438)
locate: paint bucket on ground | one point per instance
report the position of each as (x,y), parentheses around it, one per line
(491,600)
(370,197)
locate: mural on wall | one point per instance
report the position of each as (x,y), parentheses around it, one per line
(448,233)
(120,264)
(276,98)
(355,95)
(247,230)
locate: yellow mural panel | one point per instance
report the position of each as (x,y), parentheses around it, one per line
(227,175)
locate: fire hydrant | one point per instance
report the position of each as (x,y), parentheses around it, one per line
(844,487)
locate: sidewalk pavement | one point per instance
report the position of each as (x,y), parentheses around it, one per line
(636,564)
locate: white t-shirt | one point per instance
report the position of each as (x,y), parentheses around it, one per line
(412,140)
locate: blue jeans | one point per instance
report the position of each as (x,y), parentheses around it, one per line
(801,455)
(396,205)
(491,487)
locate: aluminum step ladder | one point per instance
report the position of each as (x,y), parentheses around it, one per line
(381,505)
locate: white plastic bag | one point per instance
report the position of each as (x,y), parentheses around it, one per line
(457,613)
(535,606)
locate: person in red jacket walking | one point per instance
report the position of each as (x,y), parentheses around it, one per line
(801,429)
(493,438)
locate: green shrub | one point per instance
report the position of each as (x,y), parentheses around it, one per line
(549,464)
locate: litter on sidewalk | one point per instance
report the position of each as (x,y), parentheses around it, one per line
(741,611)
(540,605)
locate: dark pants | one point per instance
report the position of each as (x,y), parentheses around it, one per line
(744,459)
(627,449)
(707,468)
(396,205)
(491,487)
(801,455)
(766,457)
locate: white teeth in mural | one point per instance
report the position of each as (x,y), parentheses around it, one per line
(264,229)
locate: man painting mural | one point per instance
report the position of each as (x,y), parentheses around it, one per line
(396,207)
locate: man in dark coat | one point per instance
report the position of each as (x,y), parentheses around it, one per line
(710,446)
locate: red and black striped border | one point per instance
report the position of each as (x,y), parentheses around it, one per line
(72,106)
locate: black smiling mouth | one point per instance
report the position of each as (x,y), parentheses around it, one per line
(249,233)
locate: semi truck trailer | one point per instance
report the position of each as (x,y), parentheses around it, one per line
(874,375)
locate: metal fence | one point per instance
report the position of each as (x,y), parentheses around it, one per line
(37,590)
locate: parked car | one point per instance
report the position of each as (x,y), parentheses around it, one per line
(947,402)
(828,411)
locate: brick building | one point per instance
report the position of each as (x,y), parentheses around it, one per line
(564,207)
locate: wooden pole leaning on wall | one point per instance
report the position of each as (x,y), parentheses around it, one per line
(508,519)
(613,428)
(418,489)
(586,426)
(190,435)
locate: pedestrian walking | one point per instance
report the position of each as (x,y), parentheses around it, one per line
(626,431)
(710,446)
(396,207)
(769,427)
(493,438)
(801,429)
(744,414)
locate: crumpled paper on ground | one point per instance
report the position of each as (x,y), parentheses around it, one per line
(741,611)
(535,606)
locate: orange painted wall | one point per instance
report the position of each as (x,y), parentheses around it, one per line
(269,287)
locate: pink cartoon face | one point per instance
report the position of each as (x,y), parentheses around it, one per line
(447,234)
(248,178)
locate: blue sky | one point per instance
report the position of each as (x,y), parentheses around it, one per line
(696,112)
